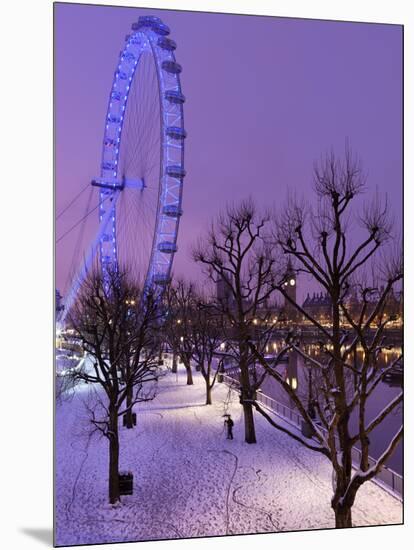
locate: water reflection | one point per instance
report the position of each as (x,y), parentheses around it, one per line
(304,380)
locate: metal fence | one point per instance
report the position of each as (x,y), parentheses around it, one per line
(386,478)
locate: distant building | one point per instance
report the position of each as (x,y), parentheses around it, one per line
(319,307)
(395,305)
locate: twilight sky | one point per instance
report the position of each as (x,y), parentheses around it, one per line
(265,96)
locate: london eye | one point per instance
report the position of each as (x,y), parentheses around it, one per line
(140,182)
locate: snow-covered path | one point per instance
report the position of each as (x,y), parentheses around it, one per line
(189,480)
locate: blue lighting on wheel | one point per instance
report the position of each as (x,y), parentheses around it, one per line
(129,56)
(151,39)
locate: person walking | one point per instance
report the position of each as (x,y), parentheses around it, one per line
(229,425)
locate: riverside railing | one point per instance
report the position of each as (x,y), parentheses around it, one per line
(387,479)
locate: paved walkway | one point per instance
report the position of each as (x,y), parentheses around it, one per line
(189,481)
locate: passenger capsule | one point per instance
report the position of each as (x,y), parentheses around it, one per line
(161,28)
(175,171)
(166,43)
(171,67)
(172,211)
(146,21)
(174,96)
(175,132)
(167,247)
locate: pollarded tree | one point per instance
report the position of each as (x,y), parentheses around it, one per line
(236,257)
(325,245)
(117,324)
(206,336)
(179,304)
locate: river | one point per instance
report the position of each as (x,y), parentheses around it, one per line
(298,375)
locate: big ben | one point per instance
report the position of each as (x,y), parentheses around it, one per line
(290,289)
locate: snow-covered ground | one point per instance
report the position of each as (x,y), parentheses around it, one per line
(189,480)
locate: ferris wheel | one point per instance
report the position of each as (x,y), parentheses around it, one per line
(142,165)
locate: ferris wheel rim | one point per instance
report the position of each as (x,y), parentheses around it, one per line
(170,179)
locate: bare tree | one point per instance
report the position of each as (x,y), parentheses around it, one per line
(206,335)
(235,256)
(116,322)
(64,387)
(324,246)
(179,300)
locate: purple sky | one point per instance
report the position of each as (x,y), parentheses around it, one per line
(265,97)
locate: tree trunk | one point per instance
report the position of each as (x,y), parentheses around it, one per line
(198,367)
(187,366)
(208,393)
(246,394)
(113,458)
(220,374)
(249,429)
(341,506)
(174,363)
(129,422)
(343,516)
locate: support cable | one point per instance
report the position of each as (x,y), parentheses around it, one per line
(72,201)
(81,220)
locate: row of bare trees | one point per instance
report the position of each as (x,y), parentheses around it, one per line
(194,332)
(250,253)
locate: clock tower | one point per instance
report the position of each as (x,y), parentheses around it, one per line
(290,289)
